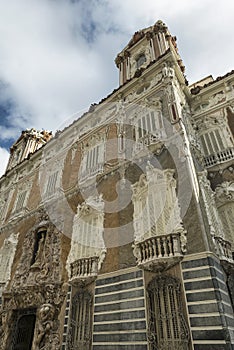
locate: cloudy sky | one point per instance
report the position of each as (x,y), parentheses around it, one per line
(57,56)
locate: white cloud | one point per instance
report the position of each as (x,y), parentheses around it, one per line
(4,157)
(57,57)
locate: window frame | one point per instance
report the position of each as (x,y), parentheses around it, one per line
(80,334)
(167,325)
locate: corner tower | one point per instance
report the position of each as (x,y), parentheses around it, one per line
(146,46)
(29,142)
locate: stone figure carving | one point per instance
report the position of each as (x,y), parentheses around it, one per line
(40,250)
(224,193)
(46,314)
(167,71)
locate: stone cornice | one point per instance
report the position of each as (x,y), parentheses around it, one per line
(212,85)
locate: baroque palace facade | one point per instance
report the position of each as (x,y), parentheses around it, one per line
(118,231)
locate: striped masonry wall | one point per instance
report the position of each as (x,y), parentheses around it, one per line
(119,312)
(208,302)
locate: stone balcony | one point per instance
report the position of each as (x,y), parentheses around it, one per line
(160,252)
(219,157)
(84,271)
(149,140)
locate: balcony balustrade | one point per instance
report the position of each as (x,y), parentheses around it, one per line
(84,271)
(148,140)
(160,252)
(219,157)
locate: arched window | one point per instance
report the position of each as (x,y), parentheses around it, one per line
(81,321)
(167,326)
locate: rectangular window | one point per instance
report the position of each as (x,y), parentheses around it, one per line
(167,326)
(212,142)
(4,202)
(219,139)
(81,321)
(93,161)
(153,122)
(204,145)
(148,123)
(51,184)
(209,143)
(20,201)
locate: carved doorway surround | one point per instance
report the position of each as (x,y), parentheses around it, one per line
(24,325)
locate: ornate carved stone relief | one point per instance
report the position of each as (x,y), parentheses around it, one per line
(224,193)
(47,329)
(144,87)
(217,228)
(48,268)
(208,101)
(142,51)
(216,99)
(37,284)
(193,139)
(47,300)
(93,140)
(176,98)
(216,119)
